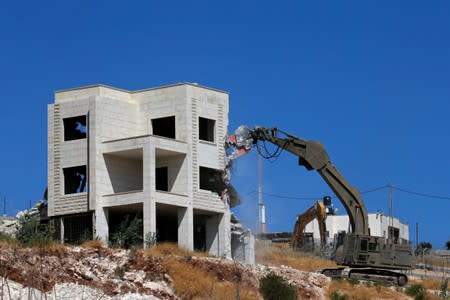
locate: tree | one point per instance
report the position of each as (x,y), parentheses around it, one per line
(30,232)
(447,245)
(425,245)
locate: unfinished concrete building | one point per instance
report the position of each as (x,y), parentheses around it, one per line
(156,154)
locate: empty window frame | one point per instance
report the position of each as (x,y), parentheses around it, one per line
(75,128)
(211,180)
(164,127)
(206,129)
(161,179)
(75,179)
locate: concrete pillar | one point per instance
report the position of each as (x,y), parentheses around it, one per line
(101,223)
(186,227)
(149,205)
(249,248)
(149,216)
(61,226)
(212,234)
(224,232)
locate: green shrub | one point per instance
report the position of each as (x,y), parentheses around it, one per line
(443,293)
(119,272)
(417,291)
(127,234)
(274,287)
(30,232)
(336,296)
(6,237)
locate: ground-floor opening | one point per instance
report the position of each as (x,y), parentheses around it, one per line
(206,231)
(166,223)
(73,229)
(125,225)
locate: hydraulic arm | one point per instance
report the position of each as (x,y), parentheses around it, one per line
(312,156)
(366,256)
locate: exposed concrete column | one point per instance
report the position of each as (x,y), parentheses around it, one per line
(218,234)
(61,231)
(101,223)
(225,234)
(212,234)
(149,206)
(186,227)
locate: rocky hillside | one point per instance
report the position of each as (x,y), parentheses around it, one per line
(60,272)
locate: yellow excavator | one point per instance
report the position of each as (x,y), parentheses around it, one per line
(317,211)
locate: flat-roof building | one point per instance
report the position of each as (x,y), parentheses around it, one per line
(156,154)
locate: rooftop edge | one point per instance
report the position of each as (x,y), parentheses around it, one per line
(141,90)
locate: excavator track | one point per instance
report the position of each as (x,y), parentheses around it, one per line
(369,274)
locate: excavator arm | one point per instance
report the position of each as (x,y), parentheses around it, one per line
(366,256)
(312,156)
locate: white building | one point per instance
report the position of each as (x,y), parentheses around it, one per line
(379,225)
(156,154)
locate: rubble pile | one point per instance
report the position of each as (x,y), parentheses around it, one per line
(107,272)
(82,273)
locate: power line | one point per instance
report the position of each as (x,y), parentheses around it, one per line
(420,194)
(362,193)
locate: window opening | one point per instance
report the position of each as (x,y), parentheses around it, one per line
(162,179)
(211,179)
(206,129)
(75,128)
(75,180)
(164,127)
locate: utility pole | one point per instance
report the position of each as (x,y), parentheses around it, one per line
(417,234)
(391,217)
(261,206)
(4,206)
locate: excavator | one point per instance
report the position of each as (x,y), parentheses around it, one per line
(317,211)
(359,255)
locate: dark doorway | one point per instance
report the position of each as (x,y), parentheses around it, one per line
(162,179)
(167,228)
(200,233)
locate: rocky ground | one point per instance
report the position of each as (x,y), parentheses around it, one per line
(83,273)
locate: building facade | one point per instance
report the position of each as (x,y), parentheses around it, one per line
(156,154)
(379,225)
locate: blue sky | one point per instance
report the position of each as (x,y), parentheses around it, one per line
(369,79)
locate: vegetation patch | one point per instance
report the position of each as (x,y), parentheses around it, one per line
(274,287)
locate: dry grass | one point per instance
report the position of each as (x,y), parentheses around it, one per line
(93,244)
(282,255)
(429,284)
(360,291)
(167,249)
(9,244)
(195,283)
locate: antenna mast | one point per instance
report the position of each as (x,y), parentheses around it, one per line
(261,206)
